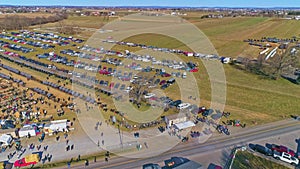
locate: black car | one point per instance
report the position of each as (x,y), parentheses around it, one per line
(207,112)
(261,149)
(164,86)
(8,124)
(175,103)
(171,81)
(151,166)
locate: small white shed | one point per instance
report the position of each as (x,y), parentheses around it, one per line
(174,119)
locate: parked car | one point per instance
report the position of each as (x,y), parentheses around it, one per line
(151,166)
(111,85)
(165,75)
(164,86)
(261,149)
(285,157)
(122,87)
(183,106)
(194,70)
(117,86)
(162,82)
(175,103)
(214,166)
(282,148)
(149,95)
(171,81)
(207,112)
(156,81)
(184,75)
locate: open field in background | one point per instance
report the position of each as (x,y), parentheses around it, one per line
(245,160)
(249,98)
(227,34)
(29,15)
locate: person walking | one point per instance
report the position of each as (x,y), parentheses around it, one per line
(86,163)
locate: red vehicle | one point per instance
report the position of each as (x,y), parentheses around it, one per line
(194,70)
(111,85)
(28,160)
(282,148)
(7,53)
(104,72)
(162,82)
(165,75)
(154,98)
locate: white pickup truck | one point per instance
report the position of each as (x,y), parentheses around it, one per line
(286,157)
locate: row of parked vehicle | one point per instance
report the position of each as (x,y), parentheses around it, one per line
(42,92)
(46,37)
(166,50)
(28,76)
(179,65)
(4,76)
(25,42)
(279,152)
(14,47)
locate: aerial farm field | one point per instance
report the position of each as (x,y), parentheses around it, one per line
(249,98)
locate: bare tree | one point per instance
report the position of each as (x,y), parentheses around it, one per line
(282,61)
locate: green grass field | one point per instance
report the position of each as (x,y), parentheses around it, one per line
(246,160)
(249,98)
(227,34)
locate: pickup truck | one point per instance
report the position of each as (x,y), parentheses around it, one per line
(282,148)
(285,157)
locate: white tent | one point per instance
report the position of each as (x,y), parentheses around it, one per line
(58,125)
(184,125)
(5,139)
(23,132)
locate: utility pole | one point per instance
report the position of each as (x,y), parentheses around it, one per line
(121,141)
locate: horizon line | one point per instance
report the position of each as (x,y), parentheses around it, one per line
(148,6)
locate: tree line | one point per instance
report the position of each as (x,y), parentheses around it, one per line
(15,22)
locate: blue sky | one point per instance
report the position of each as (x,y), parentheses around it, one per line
(191,3)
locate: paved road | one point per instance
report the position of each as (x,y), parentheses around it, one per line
(215,144)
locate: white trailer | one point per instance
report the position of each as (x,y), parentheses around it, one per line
(25,131)
(264,51)
(272,53)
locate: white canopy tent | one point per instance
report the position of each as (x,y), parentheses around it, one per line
(57,125)
(184,125)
